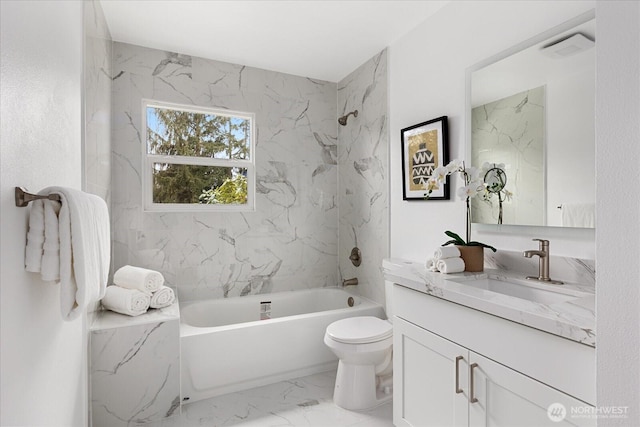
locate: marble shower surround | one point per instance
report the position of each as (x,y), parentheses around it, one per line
(97,102)
(291,240)
(363,175)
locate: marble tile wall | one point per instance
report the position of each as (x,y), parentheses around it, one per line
(291,240)
(97,102)
(511,131)
(135,367)
(363,180)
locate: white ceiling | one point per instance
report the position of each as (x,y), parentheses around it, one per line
(321,39)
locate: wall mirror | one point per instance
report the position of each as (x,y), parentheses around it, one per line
(532,111)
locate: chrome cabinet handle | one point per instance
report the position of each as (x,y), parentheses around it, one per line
(458,389)
(472,391)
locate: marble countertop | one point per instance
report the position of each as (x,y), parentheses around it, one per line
(106,319)
(574,319)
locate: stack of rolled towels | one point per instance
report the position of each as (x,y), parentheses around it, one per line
(135,290)
(446,259)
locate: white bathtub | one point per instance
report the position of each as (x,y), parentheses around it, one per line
(225,347)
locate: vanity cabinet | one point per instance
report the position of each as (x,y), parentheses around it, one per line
(440,381)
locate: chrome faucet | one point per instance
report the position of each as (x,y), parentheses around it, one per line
(543,266)
(350,282)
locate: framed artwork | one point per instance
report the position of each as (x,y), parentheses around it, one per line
(425,147)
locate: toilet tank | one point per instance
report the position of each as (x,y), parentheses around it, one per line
(387,265)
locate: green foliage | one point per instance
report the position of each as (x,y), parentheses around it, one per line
(457,240)
(183,133)
(232,191)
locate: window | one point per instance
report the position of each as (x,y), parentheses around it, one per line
(198,159)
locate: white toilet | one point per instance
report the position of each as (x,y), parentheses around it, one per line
(364,347)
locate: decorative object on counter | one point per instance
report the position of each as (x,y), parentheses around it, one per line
(472,187)
(142,279)
(495,181)
(163,297)
(69,242)
(131,284)
(131,302)
(425,148)
(446,260)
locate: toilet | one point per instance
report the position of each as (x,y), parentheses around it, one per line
(364,346)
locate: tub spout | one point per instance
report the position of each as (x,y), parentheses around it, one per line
(350,282)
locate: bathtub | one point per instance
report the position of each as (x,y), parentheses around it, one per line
(234,344)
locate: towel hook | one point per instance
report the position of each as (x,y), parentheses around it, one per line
(23,197)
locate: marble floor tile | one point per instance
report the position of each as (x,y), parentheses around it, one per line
(306,401)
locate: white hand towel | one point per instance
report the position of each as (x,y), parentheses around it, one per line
(579,215)
(126,301)
(450,265)
(142,279)
(85,249)
(446,252)
(431,264)
(35,238)
(163,297)
(50,269)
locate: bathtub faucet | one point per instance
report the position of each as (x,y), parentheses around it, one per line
(349,282)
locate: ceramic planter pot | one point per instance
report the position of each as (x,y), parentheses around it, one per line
(473,257)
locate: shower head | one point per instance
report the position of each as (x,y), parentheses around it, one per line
(343,120)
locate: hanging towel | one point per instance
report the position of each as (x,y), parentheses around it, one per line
(446,252)
(450,265)
(50,269)
(579,215)
(163,297)
(126,301)
(85,249)
(35,238)
(142,279)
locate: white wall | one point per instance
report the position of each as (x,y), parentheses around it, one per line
(427,80)
(618,208)
(43,365)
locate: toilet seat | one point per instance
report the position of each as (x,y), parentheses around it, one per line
(360,330)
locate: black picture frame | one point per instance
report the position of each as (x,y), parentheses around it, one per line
(425,146)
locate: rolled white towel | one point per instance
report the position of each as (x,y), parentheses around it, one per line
(126,301)
(51,256)
(431,265)
(446,252)
(35,237)
(450,265)
(130,277)
(163,297)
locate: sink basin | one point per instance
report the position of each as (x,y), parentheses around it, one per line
(516,289)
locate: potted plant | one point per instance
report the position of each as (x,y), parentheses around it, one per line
(471,252)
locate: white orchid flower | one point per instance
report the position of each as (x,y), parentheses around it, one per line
(454,166)
(440,174)
(431,185)
(467,191)
(473,173)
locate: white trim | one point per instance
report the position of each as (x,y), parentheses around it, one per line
(149,159)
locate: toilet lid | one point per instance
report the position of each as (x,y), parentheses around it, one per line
(359,330)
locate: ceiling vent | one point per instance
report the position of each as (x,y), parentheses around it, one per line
(569,46)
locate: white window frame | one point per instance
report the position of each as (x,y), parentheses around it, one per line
(149,159)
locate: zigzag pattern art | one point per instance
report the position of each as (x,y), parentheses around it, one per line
(423,165)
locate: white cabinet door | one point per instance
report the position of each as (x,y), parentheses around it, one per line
(425,378)
(506,398)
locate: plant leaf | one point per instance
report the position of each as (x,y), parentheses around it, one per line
(451,242)
(483,245)
(455,237)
